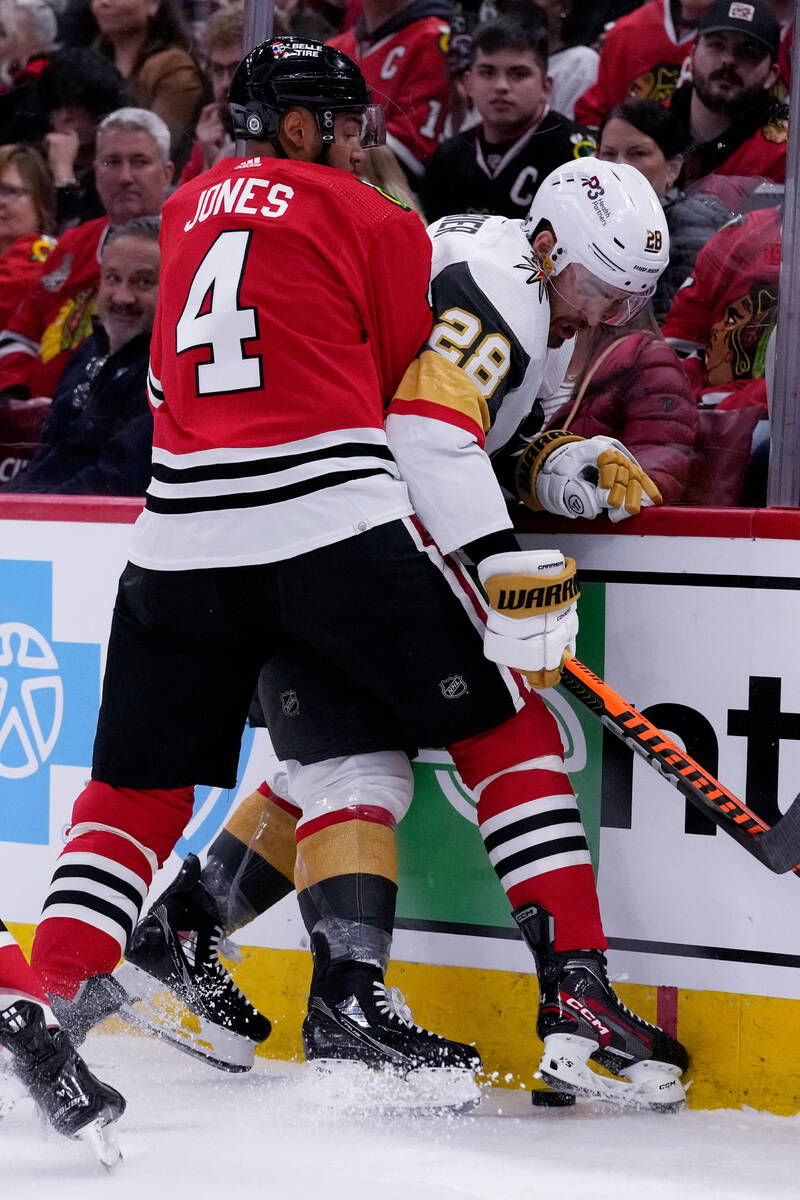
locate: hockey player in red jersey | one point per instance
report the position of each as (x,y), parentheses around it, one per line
(528,816)
(401,48)
(67,1094)
(374,641)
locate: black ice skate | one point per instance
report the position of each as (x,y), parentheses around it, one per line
(66,1092)
(354,1018)
(175,950)
(581,1019)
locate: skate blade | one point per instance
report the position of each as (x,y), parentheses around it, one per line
(342,1085)
(153,1008)
(102,1139)
(648,1087)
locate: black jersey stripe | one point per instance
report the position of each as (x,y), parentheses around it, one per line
(93,903)
(532,854)
(305,487)
(267,466)
(554,816)
(97,875)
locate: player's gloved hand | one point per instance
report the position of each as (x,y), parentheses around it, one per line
(581,477)
(533,617)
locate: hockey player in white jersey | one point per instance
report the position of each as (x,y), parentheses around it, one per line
(503,292)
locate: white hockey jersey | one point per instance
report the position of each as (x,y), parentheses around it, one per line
(477,377)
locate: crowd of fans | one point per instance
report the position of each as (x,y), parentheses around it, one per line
(107,105)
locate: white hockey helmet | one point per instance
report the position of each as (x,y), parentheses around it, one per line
(606,217)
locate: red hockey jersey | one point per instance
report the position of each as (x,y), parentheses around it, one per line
(292,297)
(642,56)
(404,64)
(21,268)
(56,315)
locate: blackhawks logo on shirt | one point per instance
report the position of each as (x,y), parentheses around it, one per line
(41,248)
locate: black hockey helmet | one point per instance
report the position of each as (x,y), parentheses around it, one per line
(288,72)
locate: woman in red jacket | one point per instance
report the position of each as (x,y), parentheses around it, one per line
(630,385)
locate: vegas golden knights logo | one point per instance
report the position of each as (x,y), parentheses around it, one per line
(654,241)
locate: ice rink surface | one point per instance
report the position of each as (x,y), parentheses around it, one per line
(194,1132)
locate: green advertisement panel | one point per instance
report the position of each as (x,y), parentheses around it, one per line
(447,883)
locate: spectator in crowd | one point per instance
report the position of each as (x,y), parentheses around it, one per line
(77,90)
(400,48)
(572,65)
(26,220)
(735,125)
(148,43)
(26,223)
(722,318)
(98,433)
(133,173)
(27,39)
(629,384)
(224,49)
(642,56)
(496,166)
(649,137)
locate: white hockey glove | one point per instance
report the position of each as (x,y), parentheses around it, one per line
(534,613)
(580,477)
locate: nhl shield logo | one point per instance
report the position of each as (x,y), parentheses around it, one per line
(290,704)
(454,687)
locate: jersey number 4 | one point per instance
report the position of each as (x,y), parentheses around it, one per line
(214,319)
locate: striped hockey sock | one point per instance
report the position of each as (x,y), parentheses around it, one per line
(118,840)
(530,823)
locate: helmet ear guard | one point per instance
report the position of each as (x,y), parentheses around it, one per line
(292,72)
(606,218)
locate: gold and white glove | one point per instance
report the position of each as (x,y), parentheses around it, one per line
(582,477)
(534,615)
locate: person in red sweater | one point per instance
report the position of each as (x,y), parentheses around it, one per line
(133,173)
(26,223)
(636,391)
(400,48)
(642,56)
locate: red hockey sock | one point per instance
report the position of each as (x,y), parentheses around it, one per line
(118,840)
(530,823)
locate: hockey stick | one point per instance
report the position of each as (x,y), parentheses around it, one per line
(776,846)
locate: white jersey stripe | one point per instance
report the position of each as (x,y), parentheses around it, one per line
(531,808)
(236,454)
(545,762)
(556,862)
(81,858)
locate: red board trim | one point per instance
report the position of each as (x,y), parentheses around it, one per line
(767,523)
